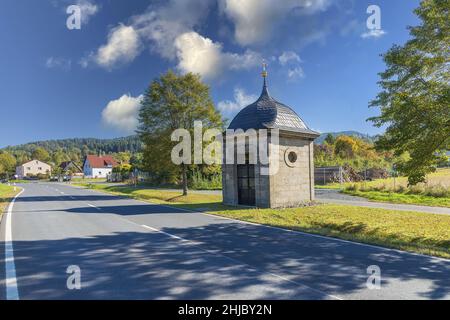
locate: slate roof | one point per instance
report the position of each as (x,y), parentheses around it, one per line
(267,113)
(66,165)
(101,162)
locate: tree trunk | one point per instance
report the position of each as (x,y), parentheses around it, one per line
(185,182)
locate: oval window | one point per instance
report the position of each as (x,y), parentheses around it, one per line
(292,156)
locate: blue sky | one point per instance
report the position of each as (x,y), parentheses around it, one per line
(60,83)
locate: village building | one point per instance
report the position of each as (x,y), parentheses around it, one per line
(98,166)
(293,183)
(33,168)
(71,168)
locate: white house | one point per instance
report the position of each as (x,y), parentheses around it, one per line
(32,169)
(98,167)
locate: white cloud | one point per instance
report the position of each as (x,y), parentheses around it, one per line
(254,20)
(351,27)
(376,33)
(88,9)
(162,25)
(198,54)
(295,73)
(292,61)
(58,63)
(287,57)
(122,113)
(122,47)
(168,30)
(201,55)
(241,100)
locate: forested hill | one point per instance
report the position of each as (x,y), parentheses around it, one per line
(83,145)
(356,134)
(130,144)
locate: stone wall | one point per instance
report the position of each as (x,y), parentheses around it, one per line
(293,184)
(229,185)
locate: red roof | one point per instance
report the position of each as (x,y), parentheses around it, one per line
(101,162)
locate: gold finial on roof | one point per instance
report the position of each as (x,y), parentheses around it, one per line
(264,72)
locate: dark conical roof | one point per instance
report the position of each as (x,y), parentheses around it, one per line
(267,113)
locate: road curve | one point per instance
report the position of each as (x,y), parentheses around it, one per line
(127,249)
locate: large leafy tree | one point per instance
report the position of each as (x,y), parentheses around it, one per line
(173,102)
(415,97)
(7,163)
(40,154)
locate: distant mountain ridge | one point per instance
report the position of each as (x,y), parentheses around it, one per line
(130,143)
(349,133)
(93,145)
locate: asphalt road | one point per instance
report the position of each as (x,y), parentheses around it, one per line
(128,249)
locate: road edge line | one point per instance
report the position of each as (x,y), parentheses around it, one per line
(12,292)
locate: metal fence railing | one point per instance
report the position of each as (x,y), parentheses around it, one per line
(324,175)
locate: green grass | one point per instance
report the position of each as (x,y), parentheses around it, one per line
(191,201)
(334,186)
(6,193)
(88,180)
(410,231)
(25,181)
(395,197)
(435,192)
(439,178)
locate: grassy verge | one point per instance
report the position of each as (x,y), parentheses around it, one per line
(334,186)
(410,231)
(435,192)
(395,197)
(25,181)
(6,193)
(88,180)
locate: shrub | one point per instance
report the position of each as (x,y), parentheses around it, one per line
(42,176)
(416,189)
(437,191)
(364,187)
(381,187)
(200,182)
(353,187)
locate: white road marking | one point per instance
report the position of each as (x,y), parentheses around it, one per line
(286,230)
(198,244)
(92,206)
(301,233)
(12,292)
(168,234)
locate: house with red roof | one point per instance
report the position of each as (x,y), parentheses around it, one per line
(98,167)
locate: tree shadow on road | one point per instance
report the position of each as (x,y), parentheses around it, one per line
(220,260)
